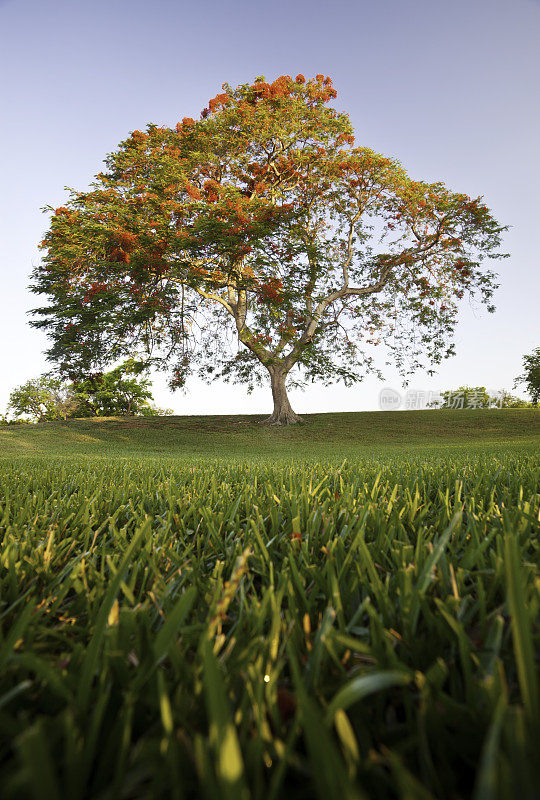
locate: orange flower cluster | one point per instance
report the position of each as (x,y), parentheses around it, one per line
(126,241)
(217,102)
(271,292)
(211,191)
(319,88)
(262,338)
(240,213)
(324,95)
(346,137)
(192,191)
(159,246)
(187,122)
(93,289)
(120,256)
(281,87)
(463,268)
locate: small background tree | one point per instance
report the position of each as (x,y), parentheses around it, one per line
(43,398)
(506,400)
(530,377)
(466,397)
(477,397)
(120,391)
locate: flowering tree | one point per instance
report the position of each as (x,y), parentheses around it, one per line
(259,240)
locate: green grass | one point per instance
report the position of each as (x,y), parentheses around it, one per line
(322,435)
(359,621)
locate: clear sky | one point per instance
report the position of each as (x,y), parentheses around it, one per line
(451,89)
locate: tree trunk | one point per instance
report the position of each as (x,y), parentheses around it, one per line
(282,413)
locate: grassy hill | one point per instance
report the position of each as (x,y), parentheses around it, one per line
(321,436)
(204,607)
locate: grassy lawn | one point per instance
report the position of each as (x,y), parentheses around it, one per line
(201,607)
(322,436)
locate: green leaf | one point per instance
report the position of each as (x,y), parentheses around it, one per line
(173,621)
(487,778)
(363,686)
(92,653)
(39,765)
(228,761)
(330,773)
(521,629)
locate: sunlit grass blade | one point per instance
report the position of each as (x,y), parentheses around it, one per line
(222,732)
(521,630)
(362,686)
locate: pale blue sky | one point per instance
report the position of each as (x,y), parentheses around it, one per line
(450,89)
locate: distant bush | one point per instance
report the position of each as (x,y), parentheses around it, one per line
(4,421)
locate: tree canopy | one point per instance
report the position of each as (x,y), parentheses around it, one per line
(257,239)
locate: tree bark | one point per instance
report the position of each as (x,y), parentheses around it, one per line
(282,413)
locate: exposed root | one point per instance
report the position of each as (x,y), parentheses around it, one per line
(283,418)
